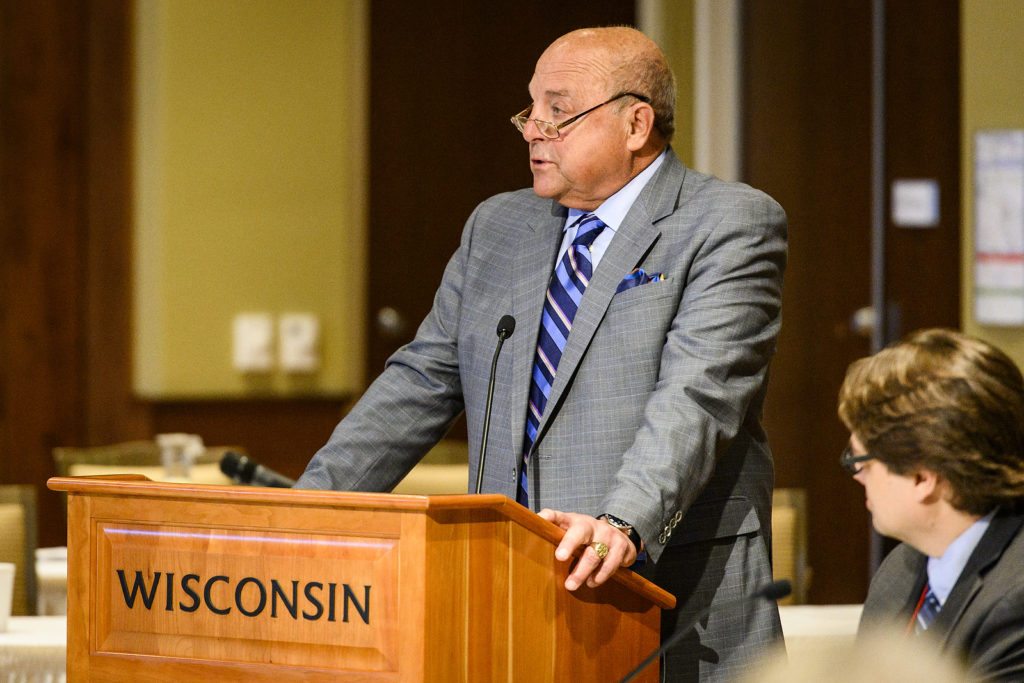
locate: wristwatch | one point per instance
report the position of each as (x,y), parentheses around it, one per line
(626,528)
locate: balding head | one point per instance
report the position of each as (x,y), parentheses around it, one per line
(630,61)
(594,122)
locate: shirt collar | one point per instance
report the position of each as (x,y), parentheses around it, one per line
(614,209)
(944,571)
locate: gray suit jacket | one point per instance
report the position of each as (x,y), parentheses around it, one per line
(983,618)
(654,414)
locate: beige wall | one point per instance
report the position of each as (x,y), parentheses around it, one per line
(992,81)
(250,183)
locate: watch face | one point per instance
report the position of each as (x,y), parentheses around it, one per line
(618,523)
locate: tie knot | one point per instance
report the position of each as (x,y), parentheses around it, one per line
(588,228)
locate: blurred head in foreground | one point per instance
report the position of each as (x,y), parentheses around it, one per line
(879,656)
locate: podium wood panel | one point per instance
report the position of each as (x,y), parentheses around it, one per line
(193,582)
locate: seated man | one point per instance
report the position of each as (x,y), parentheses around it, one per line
(937,440)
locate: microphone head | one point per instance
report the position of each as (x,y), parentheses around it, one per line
(506,326)
(238,467)
(776,590)
(230,463)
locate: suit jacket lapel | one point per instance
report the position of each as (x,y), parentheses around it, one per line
(530,276)
(632,240)
(1002,529)
(913,577)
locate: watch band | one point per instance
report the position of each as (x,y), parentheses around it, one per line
(626,528)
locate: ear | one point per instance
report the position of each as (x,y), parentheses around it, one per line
(929,487)
(641,125)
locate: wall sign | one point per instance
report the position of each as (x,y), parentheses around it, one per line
(999,227)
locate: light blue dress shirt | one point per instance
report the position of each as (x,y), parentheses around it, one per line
(944,571)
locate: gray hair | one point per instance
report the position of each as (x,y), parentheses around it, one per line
(648,73)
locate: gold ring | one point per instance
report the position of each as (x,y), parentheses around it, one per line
(600,548)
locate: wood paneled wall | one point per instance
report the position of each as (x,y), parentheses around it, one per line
(44,199)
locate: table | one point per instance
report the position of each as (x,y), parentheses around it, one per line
(33,650)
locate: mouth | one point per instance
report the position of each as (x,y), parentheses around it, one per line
(536,159)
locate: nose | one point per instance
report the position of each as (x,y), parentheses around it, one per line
(531,132)
(859,477)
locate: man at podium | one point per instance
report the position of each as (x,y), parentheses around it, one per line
(645,299)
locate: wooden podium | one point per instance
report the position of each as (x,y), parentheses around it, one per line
(192,582)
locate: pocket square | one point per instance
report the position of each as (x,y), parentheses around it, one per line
(636,278)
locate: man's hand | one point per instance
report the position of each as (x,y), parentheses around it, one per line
(582,530)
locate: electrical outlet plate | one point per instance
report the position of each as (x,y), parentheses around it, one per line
(254,342)
(299,342)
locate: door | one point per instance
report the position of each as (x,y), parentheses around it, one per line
(807,89)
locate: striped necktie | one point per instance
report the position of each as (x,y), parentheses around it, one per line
(927,612)
(568,282)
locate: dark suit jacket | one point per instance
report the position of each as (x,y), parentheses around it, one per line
(654,413)
(983,618)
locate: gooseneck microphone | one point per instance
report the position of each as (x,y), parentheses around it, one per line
(247,471)
(776,590)
(506,326)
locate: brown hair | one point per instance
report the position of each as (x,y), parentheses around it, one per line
(944,402)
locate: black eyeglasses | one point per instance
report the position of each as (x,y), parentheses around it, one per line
(551,130)
(851,462)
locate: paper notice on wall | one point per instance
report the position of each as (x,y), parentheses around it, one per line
(999,227)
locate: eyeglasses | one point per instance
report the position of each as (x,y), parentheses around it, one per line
(851,462)
(550,130)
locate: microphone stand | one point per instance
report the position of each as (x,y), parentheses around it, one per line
(506,326)
(772,591)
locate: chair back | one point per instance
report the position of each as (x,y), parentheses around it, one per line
(18,539)
(789,542)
